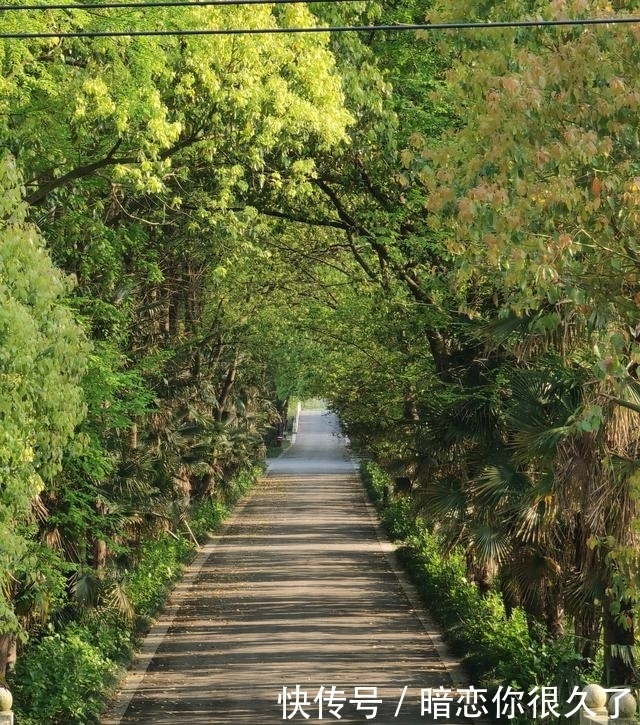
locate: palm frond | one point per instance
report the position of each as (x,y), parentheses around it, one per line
(541,408)
(529,570)
(498,484)
(581,589)
(490,546)
(116,598)
(535,519)
(86,588)
(629,654)
(442,498)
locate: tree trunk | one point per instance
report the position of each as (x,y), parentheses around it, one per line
(588,627)
(479,574)
(99,554)
(554,611)
(7,655)
(618,644)
(99,545)
(133,437)
(226,388)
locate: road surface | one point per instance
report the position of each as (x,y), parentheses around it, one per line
(295,597)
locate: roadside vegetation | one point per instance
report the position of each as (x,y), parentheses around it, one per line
(497,645)
(68,671)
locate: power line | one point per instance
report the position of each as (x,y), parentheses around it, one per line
(159,4)
(429,27)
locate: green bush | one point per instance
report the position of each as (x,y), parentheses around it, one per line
(159,567)
(66,677)
(241,483)
(63,681)
(207,517)
(109,631)
(208,514)
(492,646)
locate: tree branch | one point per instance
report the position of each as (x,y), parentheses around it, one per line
(332,223)
(40,194)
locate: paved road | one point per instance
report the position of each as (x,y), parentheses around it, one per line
(297,590)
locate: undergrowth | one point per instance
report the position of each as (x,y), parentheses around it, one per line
(67,674)
(496,650)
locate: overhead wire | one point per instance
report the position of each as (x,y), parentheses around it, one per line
(395,27)
(315,29)
(158,4)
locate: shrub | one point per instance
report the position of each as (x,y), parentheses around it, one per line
(109,631)
(207,517)
(63,681)
(159,567)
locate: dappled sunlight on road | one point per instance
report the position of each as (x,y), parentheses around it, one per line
(295,591)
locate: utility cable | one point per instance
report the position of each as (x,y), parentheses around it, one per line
(160,4)
(428,27)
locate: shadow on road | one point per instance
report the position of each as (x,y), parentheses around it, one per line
(296,591)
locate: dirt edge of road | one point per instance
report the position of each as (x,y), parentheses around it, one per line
(131,680)
(452,665)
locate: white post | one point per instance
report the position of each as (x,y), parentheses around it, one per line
(6,701)
(297,418)
(608,708)
(596,700)
(622,708)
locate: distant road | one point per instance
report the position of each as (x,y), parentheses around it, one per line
(296,591)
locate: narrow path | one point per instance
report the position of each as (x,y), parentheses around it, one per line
(297,590)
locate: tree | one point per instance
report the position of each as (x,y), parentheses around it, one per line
(43,357)
(536,190)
